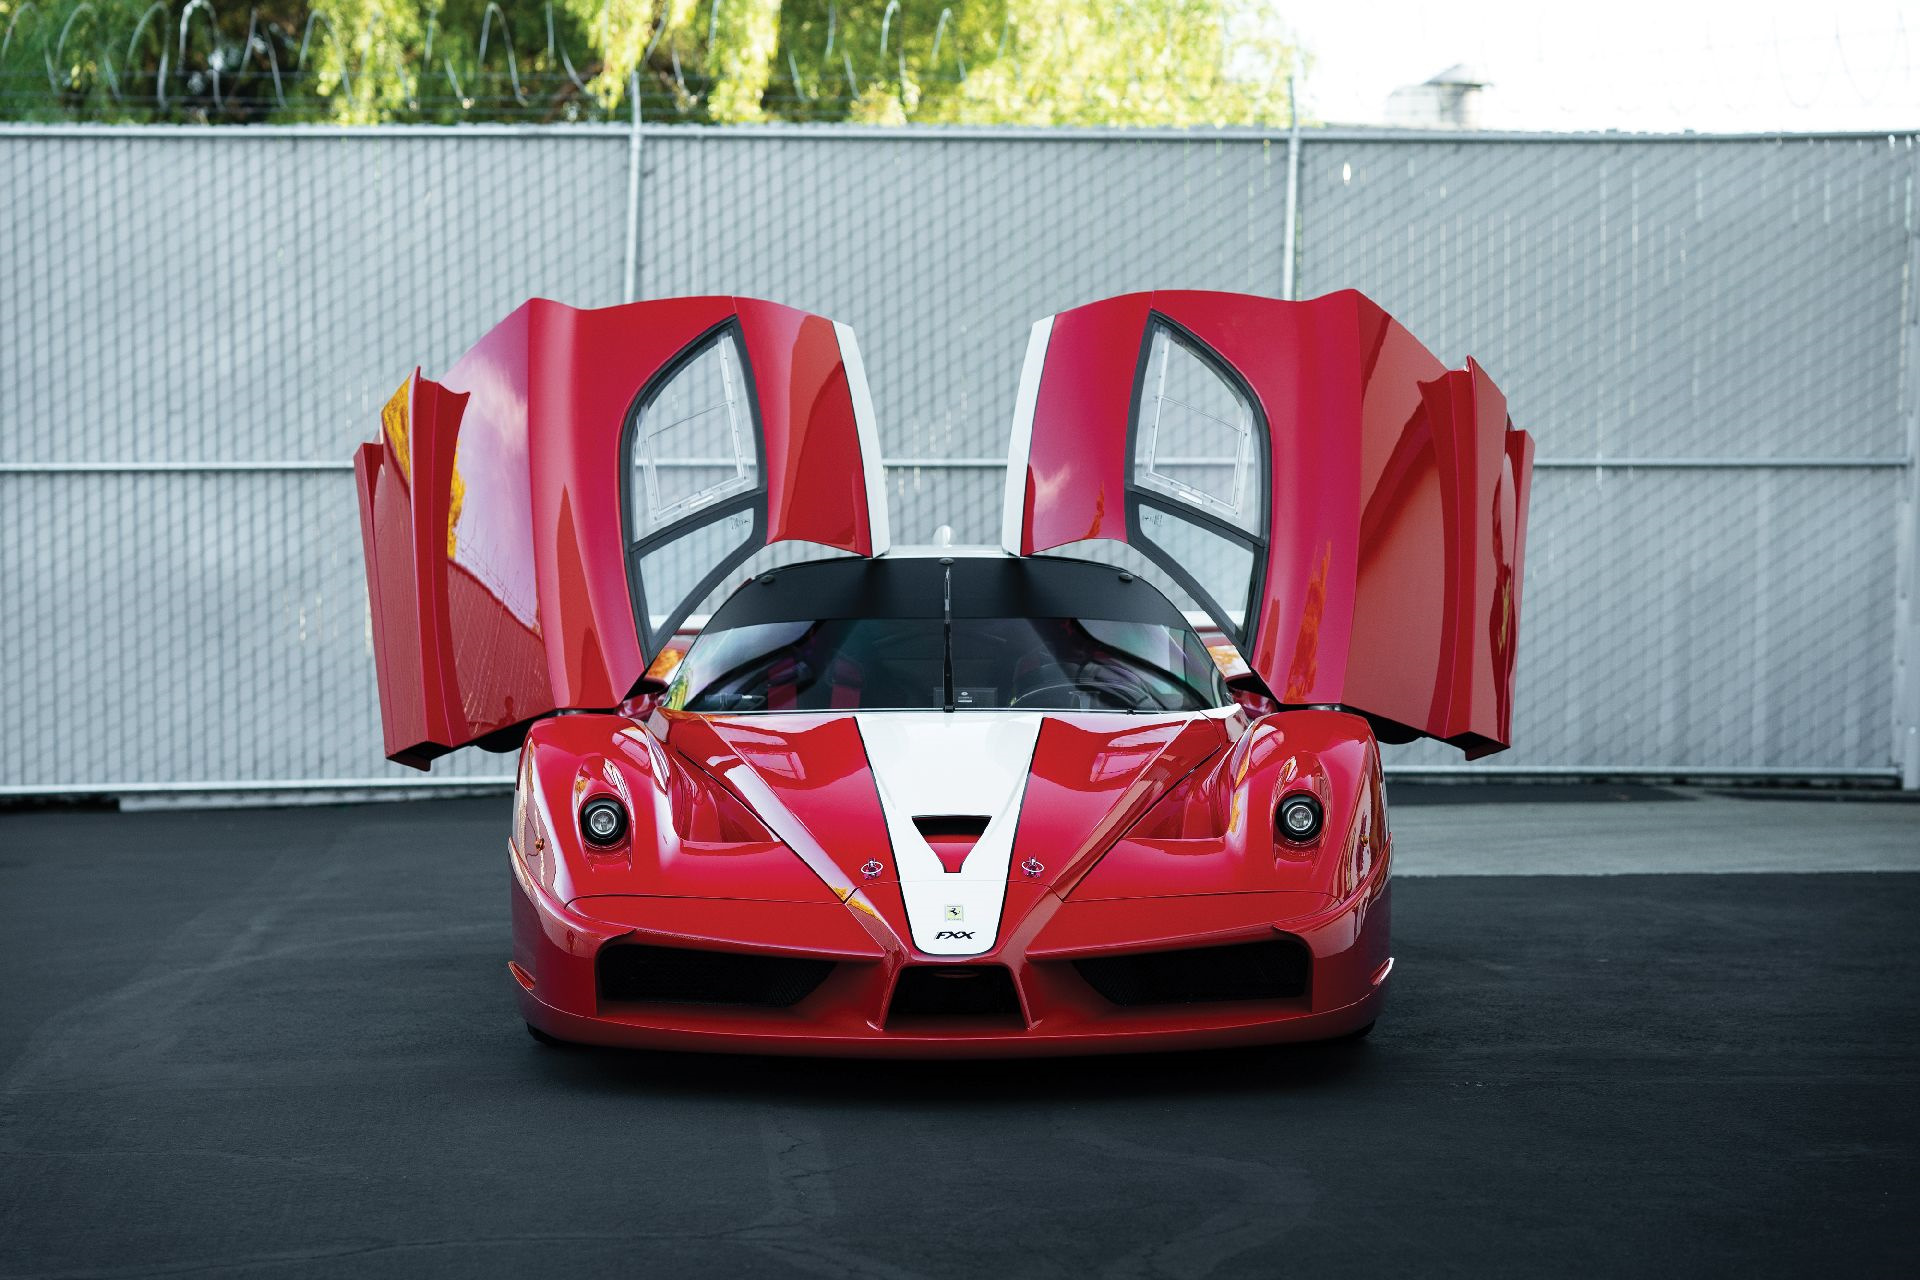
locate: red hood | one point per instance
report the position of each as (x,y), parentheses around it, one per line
(810,779)
(1088,809)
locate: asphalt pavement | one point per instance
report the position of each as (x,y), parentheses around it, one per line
(282,1042)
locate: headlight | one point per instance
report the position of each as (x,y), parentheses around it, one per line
(1300,818)
(603,821)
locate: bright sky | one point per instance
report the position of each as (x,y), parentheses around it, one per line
(1704,65)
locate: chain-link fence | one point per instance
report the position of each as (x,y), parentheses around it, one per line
(1712,340)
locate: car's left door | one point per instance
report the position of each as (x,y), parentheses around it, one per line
(540,519)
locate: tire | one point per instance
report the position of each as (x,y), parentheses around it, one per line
(1359,1033)
(543,1038)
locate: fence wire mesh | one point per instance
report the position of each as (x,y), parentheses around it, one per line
(942,253)
(248,300)
(1703,300)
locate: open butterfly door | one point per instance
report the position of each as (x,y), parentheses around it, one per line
(540,519)
(1348,510)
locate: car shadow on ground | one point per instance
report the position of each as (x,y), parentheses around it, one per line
(1193,1073)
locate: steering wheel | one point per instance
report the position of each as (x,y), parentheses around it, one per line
(1125,699)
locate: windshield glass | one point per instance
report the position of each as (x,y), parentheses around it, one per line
(846,664)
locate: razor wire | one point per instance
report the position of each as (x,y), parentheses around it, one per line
(228,62)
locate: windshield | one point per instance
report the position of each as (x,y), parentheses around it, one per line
(915,663)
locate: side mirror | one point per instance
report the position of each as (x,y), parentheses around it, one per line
(1251,693)
(644,697)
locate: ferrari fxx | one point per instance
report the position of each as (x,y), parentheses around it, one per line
(941,800)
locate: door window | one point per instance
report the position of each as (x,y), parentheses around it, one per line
(694,493)
(1194,438)
(693,444)
(1199,475)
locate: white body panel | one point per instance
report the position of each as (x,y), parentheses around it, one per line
(1020,440)
(868,428)
(940,763)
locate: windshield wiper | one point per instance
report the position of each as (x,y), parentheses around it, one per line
(946,648)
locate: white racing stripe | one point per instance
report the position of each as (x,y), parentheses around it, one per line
(949,764)
(1013,510)
(867,427)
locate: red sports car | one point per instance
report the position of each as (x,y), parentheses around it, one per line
(943,800)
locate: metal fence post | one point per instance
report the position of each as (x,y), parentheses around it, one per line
(1906,630)
(631,279)
(1293,194)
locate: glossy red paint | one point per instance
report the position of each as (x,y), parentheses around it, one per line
(457,648)
(1093,779)
(1397,498)
(1076,482)
(677,844)
(491,506)
(806,776)
(1327,754)
(1090,782)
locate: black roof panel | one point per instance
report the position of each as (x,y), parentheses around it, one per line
(916,586)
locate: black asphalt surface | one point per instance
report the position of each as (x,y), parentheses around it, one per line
(282,1043)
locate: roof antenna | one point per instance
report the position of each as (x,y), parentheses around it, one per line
(943,536)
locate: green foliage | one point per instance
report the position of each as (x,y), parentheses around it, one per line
(1041,62)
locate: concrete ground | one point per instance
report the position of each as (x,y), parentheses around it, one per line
(1628,829)
(281,1042)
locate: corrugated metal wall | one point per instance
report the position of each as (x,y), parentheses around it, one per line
(1737,303)
(196,327)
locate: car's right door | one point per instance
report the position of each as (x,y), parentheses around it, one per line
(1347,509)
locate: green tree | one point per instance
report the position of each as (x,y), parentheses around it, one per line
(1043,62)
(1144,62)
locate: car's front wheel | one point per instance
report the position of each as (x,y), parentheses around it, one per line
(550,1042)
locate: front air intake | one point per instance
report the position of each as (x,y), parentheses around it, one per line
(634,974)
(972,993)
(1275,970)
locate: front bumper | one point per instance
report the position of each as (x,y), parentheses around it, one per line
(853,1012)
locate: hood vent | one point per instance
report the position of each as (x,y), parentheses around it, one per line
(951,826)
